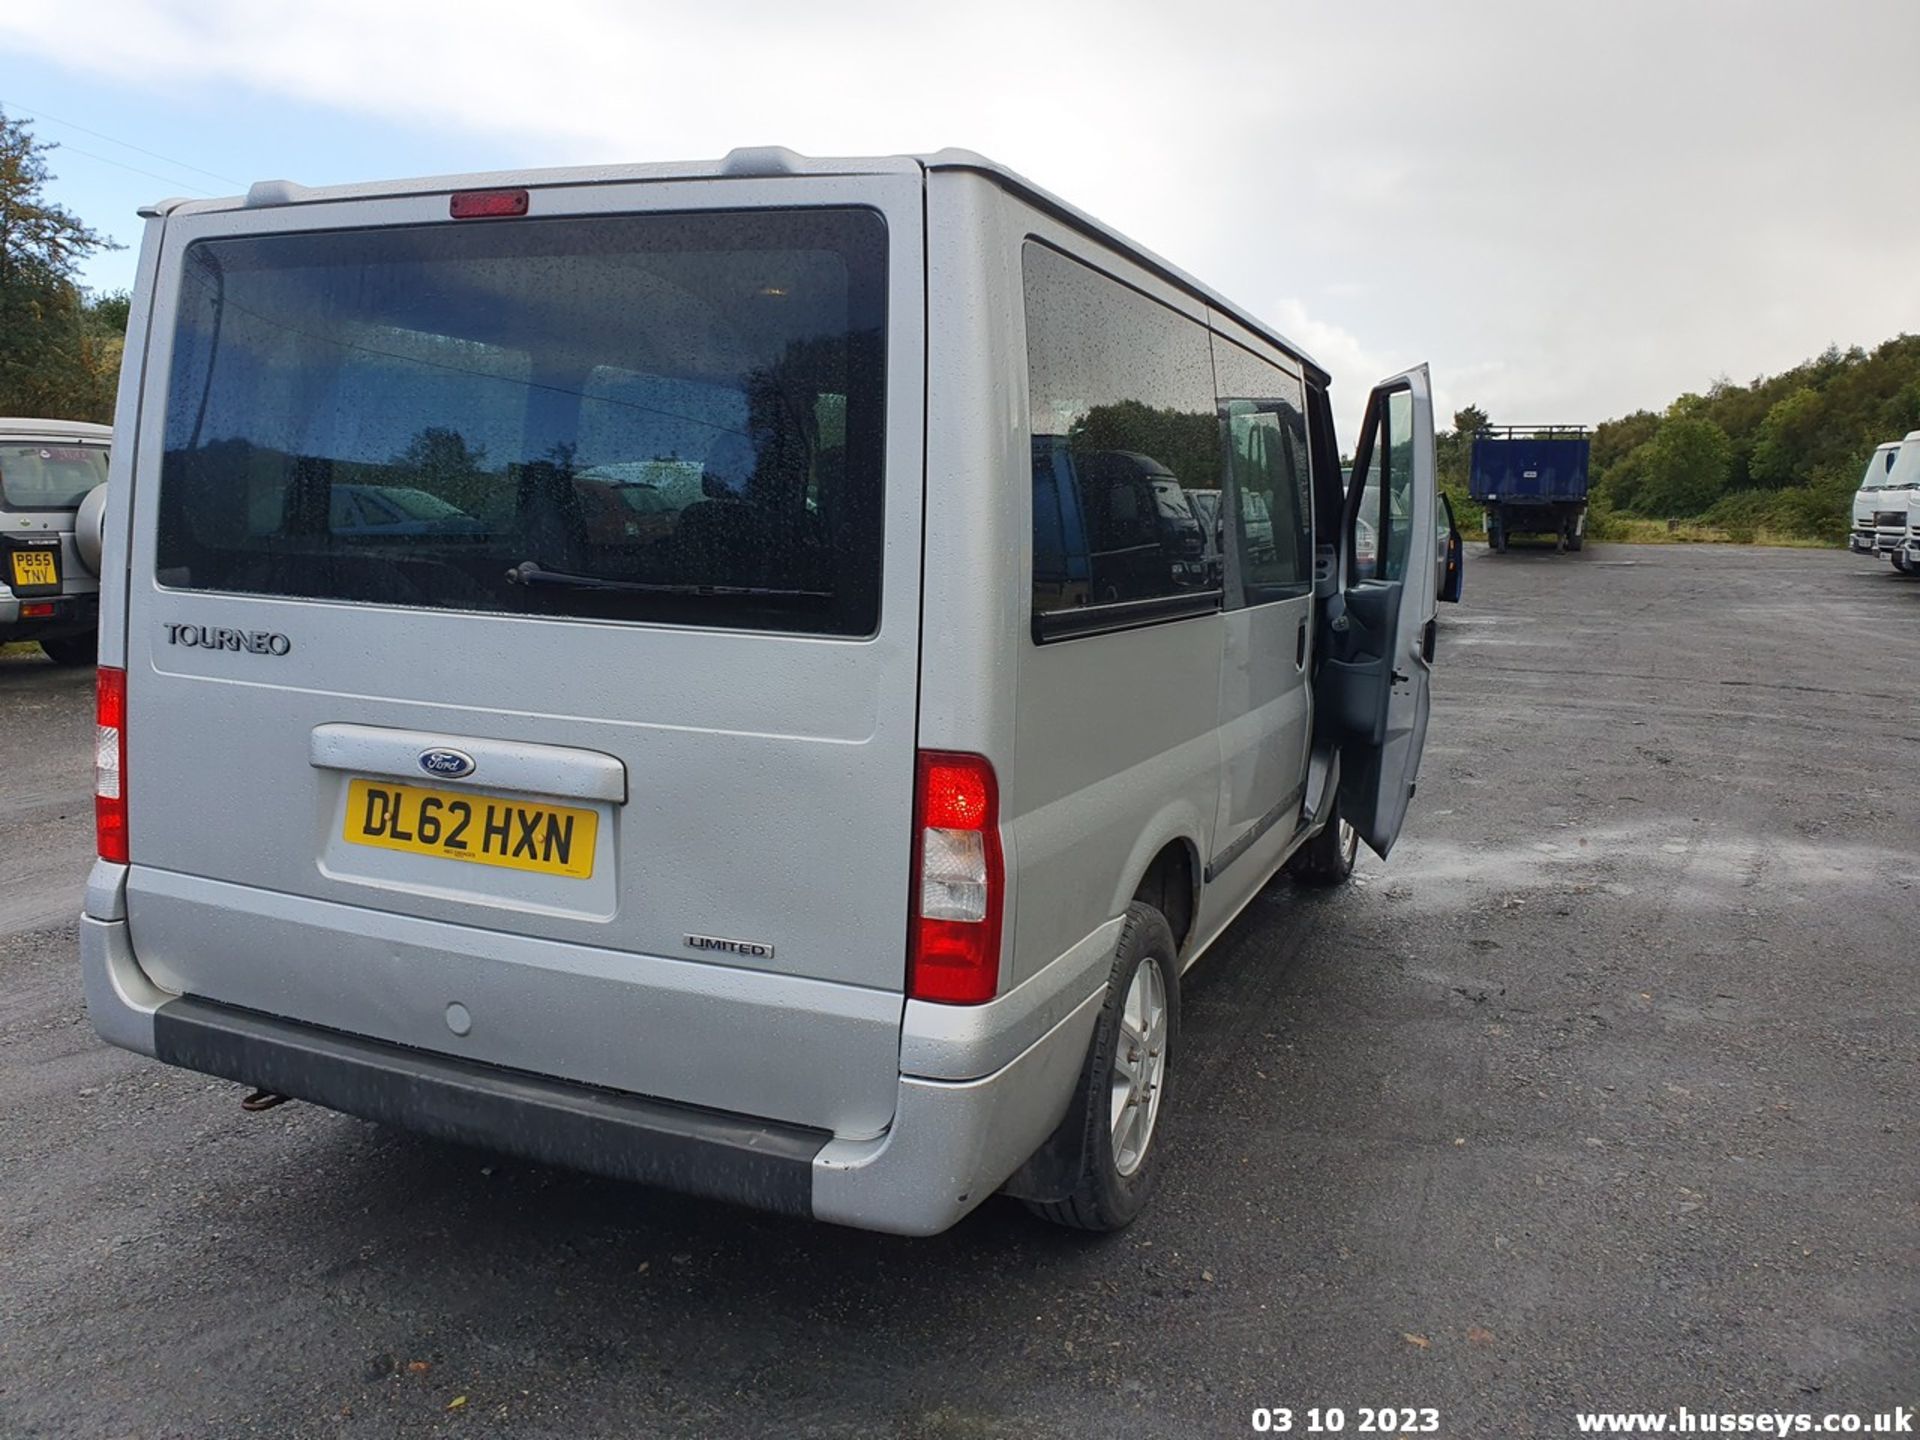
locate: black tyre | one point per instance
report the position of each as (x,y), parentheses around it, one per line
(1328,858)
(1577,542)
(1902,564)
(1497,538)
(1114,1117)
(72,649)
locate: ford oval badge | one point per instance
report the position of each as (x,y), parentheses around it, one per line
(448,764)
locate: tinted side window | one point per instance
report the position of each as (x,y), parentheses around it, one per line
(1397,515)
(1383,525)
(1121,391)
(1366,523)
(1270,501)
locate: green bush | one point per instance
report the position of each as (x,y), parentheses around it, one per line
(1602,521)
(1775,459)
(1687,467)
(1818,510)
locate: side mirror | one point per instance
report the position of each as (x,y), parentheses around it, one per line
(1453,578)
(90,528)
(1453,557)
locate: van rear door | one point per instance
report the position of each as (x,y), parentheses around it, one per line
(1375,683)
(523,628)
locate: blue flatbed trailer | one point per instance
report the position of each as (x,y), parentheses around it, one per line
(1532,480)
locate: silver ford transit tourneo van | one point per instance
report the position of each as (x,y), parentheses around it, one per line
(706,673)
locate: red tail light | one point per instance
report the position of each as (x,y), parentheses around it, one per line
(110,764)
(959,881)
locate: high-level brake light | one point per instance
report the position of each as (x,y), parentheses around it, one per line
(487,204)
(958,881)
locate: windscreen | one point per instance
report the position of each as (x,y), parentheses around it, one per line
(1879,467)
(49,477)
(664,418)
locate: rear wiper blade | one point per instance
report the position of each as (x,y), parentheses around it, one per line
(531,572)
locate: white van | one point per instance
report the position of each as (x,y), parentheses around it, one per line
(1863,538)
(688,671)
(1895,532)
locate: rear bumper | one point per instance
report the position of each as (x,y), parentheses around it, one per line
(72,615)
(1523,513)
(722,1157)
(949,1146)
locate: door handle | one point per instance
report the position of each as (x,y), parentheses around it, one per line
(502,764)
(1300,647)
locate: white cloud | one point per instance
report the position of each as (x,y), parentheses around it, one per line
(1355,368)
(1569,211)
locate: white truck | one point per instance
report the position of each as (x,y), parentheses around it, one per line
(1896,507)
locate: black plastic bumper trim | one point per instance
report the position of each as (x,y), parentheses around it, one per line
(554,1122)
(1289,805)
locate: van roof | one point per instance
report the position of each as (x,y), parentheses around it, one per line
(749,162)
(16,427)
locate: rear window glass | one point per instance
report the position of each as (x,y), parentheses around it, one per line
(49,477)
(662,418)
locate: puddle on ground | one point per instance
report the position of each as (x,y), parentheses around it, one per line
(1708,868)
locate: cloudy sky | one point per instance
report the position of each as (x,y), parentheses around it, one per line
(1571,210)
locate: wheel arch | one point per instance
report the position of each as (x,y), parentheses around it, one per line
(1164,869)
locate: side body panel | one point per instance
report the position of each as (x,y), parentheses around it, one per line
(1266,709)
(1116,743)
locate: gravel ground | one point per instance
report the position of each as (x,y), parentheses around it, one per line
(1602,1094)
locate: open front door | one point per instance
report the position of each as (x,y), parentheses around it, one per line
(1374,686)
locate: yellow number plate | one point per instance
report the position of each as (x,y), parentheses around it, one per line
(481,829)
(35,567)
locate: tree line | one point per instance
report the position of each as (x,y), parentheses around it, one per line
(1781,455)
(59,346)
